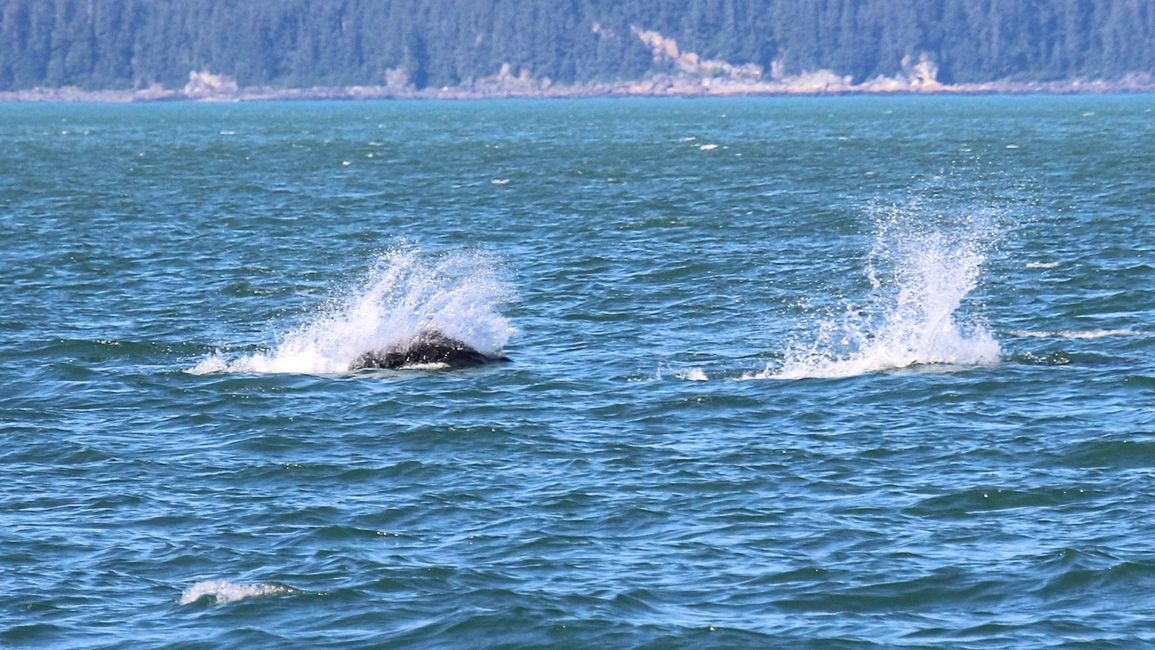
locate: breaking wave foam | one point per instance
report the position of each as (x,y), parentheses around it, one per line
(920,273)
(683,374)
(222,592)
(404,293)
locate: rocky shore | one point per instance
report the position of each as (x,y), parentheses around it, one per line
(204,87)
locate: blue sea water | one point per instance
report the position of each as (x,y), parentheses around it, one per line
(786,372)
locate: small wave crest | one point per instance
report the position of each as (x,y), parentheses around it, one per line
(683,374)
(1075,334)
(222,592)
(405,292)
(921,267)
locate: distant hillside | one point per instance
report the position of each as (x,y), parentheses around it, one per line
(126,44)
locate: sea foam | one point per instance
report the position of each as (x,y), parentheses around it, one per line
(222,592)
(460,294)
(921,267)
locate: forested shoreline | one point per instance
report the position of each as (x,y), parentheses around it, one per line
(411,46)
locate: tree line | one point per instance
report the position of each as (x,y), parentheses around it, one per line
(122,44)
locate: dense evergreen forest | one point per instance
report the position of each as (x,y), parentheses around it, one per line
(112,44)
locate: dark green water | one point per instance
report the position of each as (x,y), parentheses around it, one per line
(832,372)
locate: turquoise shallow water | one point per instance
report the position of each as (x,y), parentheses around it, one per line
(826,372)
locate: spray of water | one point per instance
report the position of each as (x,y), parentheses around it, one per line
(921,267)
(459,294)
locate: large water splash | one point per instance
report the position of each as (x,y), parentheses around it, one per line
(405,292)
(921,267)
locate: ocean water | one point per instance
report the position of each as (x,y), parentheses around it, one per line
(811,372)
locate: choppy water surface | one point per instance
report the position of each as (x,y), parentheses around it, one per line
(830,372)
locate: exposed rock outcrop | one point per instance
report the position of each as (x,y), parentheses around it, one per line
(203,84)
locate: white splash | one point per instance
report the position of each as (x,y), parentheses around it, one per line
(693,374)
(920,268)
(223,591)
(403,294)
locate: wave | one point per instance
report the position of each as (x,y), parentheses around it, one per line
(921,268)
(405,292)
(693,373)
(222,592)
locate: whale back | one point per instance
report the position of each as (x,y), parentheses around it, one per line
(427,348)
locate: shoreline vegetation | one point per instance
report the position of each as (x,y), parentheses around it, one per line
(208,87)
(165,50)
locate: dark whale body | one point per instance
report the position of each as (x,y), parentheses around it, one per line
(428,347)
